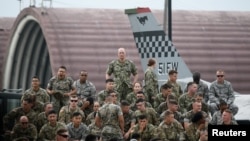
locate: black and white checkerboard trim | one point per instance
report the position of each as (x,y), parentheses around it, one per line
(155,46)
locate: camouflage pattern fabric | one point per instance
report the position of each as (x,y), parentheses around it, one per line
(66,113)
(48,132)
(151,85)
(122,73)
(41,95)
(30,132)
(147,134)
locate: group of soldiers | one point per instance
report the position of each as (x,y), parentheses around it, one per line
(125,110)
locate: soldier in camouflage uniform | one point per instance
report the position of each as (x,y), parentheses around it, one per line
(170,129)
(77,130)
(151,81)
(131,97)
(202,87)
(161,97)
(48,131)
(24,129)
(15,114)
(122,69)
(60,87)
(227,118)
(144,128)
(84,88)
(91,117)
(109,87)
(176,87)
(152,115)
(42,117)
(197,125)
(173,107)
(128,117)
(199,97)
(187,99)
(110,119)
(196,108)
(36,105)
(41,94)
(140,94)
(221,89)
(66,112)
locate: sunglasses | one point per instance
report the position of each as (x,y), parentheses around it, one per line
(62,135)
(73,100)
(84,75)
(220,75)
(24,122)
(113,95)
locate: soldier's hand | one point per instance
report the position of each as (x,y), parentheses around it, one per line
(66,94)
(201,126)
(126,136)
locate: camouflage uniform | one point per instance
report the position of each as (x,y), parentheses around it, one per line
(131,98)
(79,133)
(66,113)
(202,88)
(108,114)
(184,102)
(38,107)
(192,132)
(93,129)
(204,107)
(177,115)
(224,92)
(40,121)
(171,132)
(90,118)
(60,87)
(217,118)
(127,120)
(190,114)
(147,134)
(85,90)
(48,132)
(41,95)
(15,115)
(159,99)
(134,108)
(162,107)
(151,84)
(176,89)
(122,73)
(151,114)
(30,132)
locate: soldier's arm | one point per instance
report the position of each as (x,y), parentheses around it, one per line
(109,71)
(135,78)
(212,97)
(33,133)
(231,95)
(98,122)
(121,123)
(62,115)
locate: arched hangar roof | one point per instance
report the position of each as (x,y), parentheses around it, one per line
(41,40)
(80,39)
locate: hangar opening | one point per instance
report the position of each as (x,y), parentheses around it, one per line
(27,56)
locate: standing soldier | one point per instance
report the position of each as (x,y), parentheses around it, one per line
(84,88)
(176,87)
(122,69)
(151,81)
(110,119)
(41,94)
(60,87)
(24,129)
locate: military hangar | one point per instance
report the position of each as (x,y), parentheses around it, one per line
(41,40)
